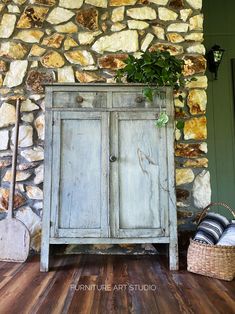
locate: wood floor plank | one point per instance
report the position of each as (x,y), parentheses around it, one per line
(18,288)
(41,294)
(24,290)
(193,291)
(13,270)
(168,297)
(53,298)
(219,296)
(83,297)
(73,284)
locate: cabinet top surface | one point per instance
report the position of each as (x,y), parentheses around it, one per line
(104,84)
(89,96)
(101,86)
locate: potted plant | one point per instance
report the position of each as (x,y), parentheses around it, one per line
(155,69)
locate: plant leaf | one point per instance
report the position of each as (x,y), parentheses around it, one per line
(148,93)
(180,125)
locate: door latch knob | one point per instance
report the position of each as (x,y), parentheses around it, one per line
(112,158)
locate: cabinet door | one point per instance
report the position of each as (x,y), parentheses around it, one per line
(80,176)
(139,176)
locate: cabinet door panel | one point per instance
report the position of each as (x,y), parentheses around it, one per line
(80,202)
(138,176)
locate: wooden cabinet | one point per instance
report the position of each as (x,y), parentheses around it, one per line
(109,171)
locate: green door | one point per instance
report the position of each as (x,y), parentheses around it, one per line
(220,29)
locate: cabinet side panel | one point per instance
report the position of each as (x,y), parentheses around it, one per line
(80,173)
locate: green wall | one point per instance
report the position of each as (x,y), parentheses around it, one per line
(219,29)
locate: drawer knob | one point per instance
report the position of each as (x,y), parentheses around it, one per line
(112,158)
(79,99)
(139,99)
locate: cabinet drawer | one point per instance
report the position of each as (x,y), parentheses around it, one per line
(79,100)
(133,99)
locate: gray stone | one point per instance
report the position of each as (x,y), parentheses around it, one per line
(146,42)
(4,139)
(116,27)
(27,117)
(38,205)
(59,15)
(184,176)
(98,3)
(166,14)
(67,28)
(178,27)
(13,8)
(16,73)
(201,82)
(7,25)
(135,24)
(197,100)
(199,49)
(30,36)
(194,37)
(20,176)
(82,57)
(196,22)
(33,223)
(71,4)
(39,175)
(25,136)
(34,192)
(13,50)
(126,41)
(202,190)
(118,14)
(7,115)
(33,154)
(40,126)
(159,2)
(195,4)
(143,13)
(159,32)
(185,13)
(66,74)
(27,106)
(86,38)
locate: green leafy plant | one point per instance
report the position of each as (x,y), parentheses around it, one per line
(155,69)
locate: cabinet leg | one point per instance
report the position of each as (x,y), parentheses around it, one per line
(44,263)
(173,256)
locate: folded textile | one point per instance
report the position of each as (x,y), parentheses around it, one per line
(211,228)
(228,236)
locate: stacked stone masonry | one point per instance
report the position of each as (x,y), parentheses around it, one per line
(44,41)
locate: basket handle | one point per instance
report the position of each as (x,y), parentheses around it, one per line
(205,210)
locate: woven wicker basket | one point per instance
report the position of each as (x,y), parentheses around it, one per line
(212,260)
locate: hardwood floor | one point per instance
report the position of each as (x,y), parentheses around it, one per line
(134,284)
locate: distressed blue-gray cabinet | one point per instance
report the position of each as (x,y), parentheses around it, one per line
(109,171)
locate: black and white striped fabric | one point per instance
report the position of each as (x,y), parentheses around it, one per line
(211,228)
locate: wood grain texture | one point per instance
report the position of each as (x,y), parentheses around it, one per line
(66,288)
(79,197)
(14,240)
(47,185)
(79,99)
(93,200)
(138,173)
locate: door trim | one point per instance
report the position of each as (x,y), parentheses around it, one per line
(103,231)
(116,231)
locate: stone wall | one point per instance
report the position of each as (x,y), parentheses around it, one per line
(86,41)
